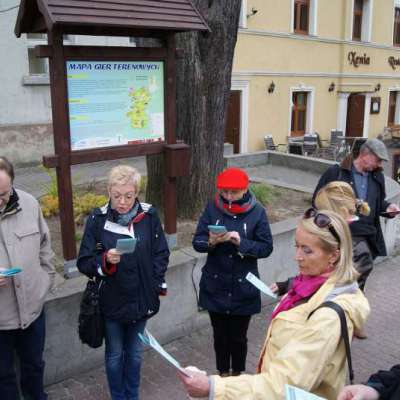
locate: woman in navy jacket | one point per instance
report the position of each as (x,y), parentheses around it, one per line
(131,283)
(224,291)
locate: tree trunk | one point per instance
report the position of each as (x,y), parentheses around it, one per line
(203,87)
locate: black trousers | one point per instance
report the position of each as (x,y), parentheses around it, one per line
(29,345)
(230,341)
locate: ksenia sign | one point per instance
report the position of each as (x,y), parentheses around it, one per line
(394,62)
(357,60)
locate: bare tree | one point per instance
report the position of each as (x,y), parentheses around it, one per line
(203,88)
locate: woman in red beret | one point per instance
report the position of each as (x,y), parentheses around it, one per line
(235,232)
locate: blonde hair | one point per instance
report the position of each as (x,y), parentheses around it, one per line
(122,175)
(339,196)
(344,271)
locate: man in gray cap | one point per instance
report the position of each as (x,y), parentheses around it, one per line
(365,176)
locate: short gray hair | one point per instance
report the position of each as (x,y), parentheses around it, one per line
(122,175)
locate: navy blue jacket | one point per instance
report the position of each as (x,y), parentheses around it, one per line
(130,294)
(368,226)
(223,287)
(387,383)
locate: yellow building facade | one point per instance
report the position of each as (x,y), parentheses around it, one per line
(305,66)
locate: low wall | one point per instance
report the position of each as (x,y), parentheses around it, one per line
(65,355)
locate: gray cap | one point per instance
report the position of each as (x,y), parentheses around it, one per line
(378,148)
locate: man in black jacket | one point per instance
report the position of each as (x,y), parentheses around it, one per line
(364,174)
(384,385)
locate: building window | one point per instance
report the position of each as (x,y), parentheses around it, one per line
(299,113)
(37,66)
(301,16)
(393,114)
(357,19)
(396,30)
(362,20)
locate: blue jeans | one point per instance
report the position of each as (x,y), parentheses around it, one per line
(29,345)
(123,358)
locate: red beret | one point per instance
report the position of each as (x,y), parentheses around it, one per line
(232,178)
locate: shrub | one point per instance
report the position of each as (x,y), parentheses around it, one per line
(265,194)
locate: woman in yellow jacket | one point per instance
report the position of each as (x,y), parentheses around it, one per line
(302,350)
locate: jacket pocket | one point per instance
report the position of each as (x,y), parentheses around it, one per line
(211,282)
(26,231)
(245,289)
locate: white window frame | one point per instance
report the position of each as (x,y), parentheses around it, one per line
(41,79)
(396,4)
(312,17)
(397,112)
(366,23)
(243,86)
(310,107)
(243,15)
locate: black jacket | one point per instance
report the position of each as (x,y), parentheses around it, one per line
(223,287)
(387,383)
(132,292)
(368,227)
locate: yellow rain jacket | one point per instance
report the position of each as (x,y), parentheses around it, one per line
(302,352)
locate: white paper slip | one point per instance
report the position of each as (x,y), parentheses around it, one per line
(148,338)
(260,285)
(294,393)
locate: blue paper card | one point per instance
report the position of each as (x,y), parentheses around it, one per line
(10,272)
(126,246)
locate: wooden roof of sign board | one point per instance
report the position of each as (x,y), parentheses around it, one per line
(118,17)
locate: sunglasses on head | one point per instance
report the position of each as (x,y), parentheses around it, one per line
(322,221)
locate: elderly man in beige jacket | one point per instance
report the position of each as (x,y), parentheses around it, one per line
(24,244)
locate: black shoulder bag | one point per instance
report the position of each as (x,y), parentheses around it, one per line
(90,322)
(344,332)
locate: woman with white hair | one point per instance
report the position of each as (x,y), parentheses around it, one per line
(132,282)
(303,345)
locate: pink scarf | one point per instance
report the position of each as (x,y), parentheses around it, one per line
(303,287)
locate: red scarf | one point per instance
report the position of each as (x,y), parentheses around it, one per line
(232,207)
(303,286)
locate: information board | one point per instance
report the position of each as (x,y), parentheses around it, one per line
(113,103)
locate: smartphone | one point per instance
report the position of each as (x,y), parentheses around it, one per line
(125,246)
(217,229)
(389,214)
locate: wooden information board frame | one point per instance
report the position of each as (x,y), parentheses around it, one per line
(128,18)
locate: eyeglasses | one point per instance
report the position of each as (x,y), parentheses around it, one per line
(118,196)
(322,221)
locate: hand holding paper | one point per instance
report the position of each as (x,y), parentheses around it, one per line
(148,339)
(10,272)
(260,285)
(294,393)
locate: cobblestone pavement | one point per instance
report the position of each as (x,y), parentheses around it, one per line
(159,382)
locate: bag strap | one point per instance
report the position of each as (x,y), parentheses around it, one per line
(344,332)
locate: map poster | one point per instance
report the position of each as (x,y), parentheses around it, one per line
(113,103)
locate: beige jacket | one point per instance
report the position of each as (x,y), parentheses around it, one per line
(301,352)
(25,243)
